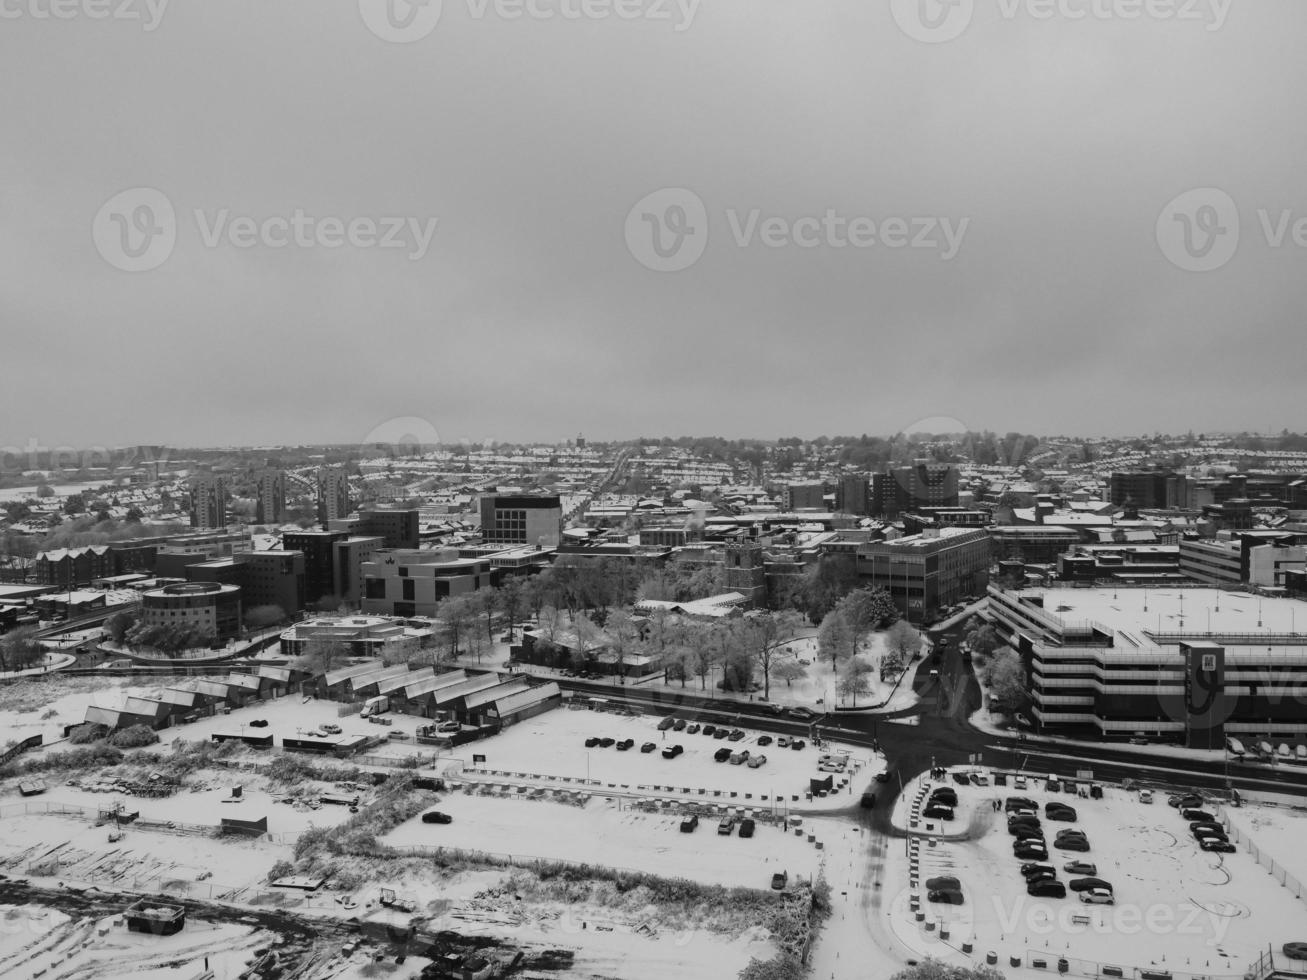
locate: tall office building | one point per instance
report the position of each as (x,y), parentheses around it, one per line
(333,493)
(854,494)
(923,484)
(271,505)
(208,500)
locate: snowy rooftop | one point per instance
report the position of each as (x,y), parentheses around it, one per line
(1203,610)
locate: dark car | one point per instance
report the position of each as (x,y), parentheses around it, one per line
(259,723)
(945,795)
(1080,868)
(882,777)
(689,823)
(746,827)
(797,744)
(666,723)
(678,725)
(1084,884)
(1037,867)
(1046,889)
(803,714)
(736,735)
(1059,811)
(1072,844)
(1018,803)
(938,811)
(625,744)
(1184,802)
(672,751)
(1190,814)
(692,729)
(961,779)
(722,754)
(1030,852)
(764,740)
(1219,846)
(868,800)
(943,883)
(709,729)
(592,741)
(607,742)
(945,897)
(779,880)
(720,734)
(435,816)
(1207,829)
(1041,876)
(648,746)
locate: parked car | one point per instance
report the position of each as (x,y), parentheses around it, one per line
(945,897)
(726,826)
(943,883)
(672,751)
(720,734)
(1052,785)
(709,729)
(666,723)
(797,744)
(1030,852)
(736,735)
(782,741)
(689,823)
(722,754)
(945,795)
(692,729)
(1072,844)
(1192,814)
(1018,803)
(1062,815)
(1085,884)
(979,779)
(757,761)
(1184,801)
(606,742)
(259,723)
(779,880)
(1219,846)
(746,827)
(1041,876)
(1036,866)
(435,816)
(764,740)
(1097,896)
(739,758)
(1019,782)
(625,744)
(648,746)
(961,779)
(1145,796)
(592,741)
(1046,889)
(448,727)
(803,714)
(938,811)
(330,729)
(678,725)
(881,777)
(1080,868)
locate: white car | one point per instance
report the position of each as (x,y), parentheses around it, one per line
(1097,896)
(1019,782)
(756,761)
(1145,796)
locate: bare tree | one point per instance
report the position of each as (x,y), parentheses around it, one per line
(762,635)
(321,656)
(854,680)
(835,638)
(623,636)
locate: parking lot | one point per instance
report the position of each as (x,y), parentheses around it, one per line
(1173,905)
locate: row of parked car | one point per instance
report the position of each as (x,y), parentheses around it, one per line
(626,744)
(1209,834)
(740,758)
(728,824)
(1030,846)
(721,732)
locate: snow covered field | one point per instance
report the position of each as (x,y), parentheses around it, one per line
(44,707)
(819,686)
(1177,908)
(42,942)
(615,835)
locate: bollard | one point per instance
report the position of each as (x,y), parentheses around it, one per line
(966,947)
(991,958)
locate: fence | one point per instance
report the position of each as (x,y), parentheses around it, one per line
(1273,867)
(38,807)
(1043,959)
(19,747)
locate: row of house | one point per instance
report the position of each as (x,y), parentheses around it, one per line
(474,699)
(195,699)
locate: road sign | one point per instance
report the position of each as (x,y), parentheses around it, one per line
(1084,774)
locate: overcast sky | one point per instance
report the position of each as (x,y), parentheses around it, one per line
(1040,279)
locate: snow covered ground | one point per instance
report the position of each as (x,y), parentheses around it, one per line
(819,686)
(1177,908)
(35,941)
(44,707)
(616,835)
